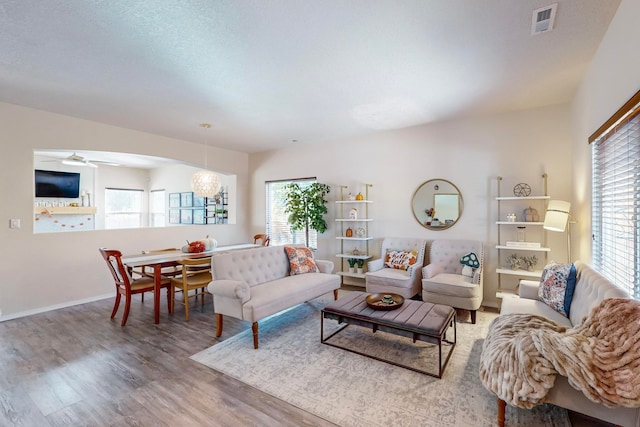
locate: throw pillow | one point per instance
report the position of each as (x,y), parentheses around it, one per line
(400,260)
(301,260)
(557,285)
(469,261)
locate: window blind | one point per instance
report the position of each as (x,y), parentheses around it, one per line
(616,200)
(123,208)
(277,227)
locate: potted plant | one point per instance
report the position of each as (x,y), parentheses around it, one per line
(360,265)
(306,207)
(352,264)
(530,262)
(514,261)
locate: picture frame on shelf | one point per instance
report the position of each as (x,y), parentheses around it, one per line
(174,200)
(174,215)
(186,199)
(186,216)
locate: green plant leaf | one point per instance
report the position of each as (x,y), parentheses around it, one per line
(306,207)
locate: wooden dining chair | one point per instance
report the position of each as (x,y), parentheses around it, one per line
(195,275)
(166,271)
(127,286)
(262,238)
(145,271)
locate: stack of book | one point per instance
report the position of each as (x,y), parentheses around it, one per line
(530,245)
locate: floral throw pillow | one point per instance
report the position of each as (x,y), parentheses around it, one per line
(400,260)
(301,260)
(557,285)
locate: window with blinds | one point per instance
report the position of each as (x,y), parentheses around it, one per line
(278,228)
(157,208)
(616,197)
(122,208)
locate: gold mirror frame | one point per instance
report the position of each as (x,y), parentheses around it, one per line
(425,198)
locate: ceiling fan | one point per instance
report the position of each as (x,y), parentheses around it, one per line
(77,160)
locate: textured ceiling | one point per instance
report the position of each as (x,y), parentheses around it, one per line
(266,72)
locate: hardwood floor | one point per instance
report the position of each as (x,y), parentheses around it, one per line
(76,367)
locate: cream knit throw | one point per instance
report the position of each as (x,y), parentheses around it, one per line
(522,355)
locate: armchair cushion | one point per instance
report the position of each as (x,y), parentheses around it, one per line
(454,285)
(400,260)
(391,277)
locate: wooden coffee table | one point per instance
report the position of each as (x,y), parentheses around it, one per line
(420,321)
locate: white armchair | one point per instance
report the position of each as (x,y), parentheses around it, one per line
(379,279)
(443,281)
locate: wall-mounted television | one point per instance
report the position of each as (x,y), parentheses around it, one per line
(57,184)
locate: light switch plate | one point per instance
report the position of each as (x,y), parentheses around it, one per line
(14,223)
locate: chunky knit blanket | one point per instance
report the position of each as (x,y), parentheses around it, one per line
(522,355)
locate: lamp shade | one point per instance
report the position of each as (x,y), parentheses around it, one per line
(557,215)
(205,183)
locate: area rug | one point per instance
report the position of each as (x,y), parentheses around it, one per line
(352,390)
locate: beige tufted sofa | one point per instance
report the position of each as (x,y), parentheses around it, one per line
(591,289)
(255,283)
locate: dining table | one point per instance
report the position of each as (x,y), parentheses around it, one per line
(168,259)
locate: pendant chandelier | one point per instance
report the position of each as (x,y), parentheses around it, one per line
(205,183)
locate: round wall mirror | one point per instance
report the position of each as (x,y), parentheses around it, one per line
(437,204)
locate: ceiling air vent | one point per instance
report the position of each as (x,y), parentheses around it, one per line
(542,19)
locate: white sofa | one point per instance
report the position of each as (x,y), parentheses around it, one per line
(255,283)
(591,288)
(379,279)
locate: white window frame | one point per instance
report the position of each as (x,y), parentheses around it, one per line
(615,215)
(277,227)
(111,220)
(157,208)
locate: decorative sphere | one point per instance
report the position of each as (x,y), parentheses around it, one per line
(205,183)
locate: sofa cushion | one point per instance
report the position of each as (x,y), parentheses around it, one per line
(400,260)
(277,295)
(301,260)
(517,305)
(557,285)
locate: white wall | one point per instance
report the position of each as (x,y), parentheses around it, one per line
(470,153)
(55,269)
(612,79)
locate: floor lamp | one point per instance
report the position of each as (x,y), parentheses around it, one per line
(557,217)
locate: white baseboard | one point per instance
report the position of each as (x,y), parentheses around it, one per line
(54,307)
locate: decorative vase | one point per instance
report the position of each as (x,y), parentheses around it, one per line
(349,232)
(353,213)
(359,270)
(352,269)
(531,215)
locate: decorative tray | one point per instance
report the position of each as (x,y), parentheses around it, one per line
(384,301)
